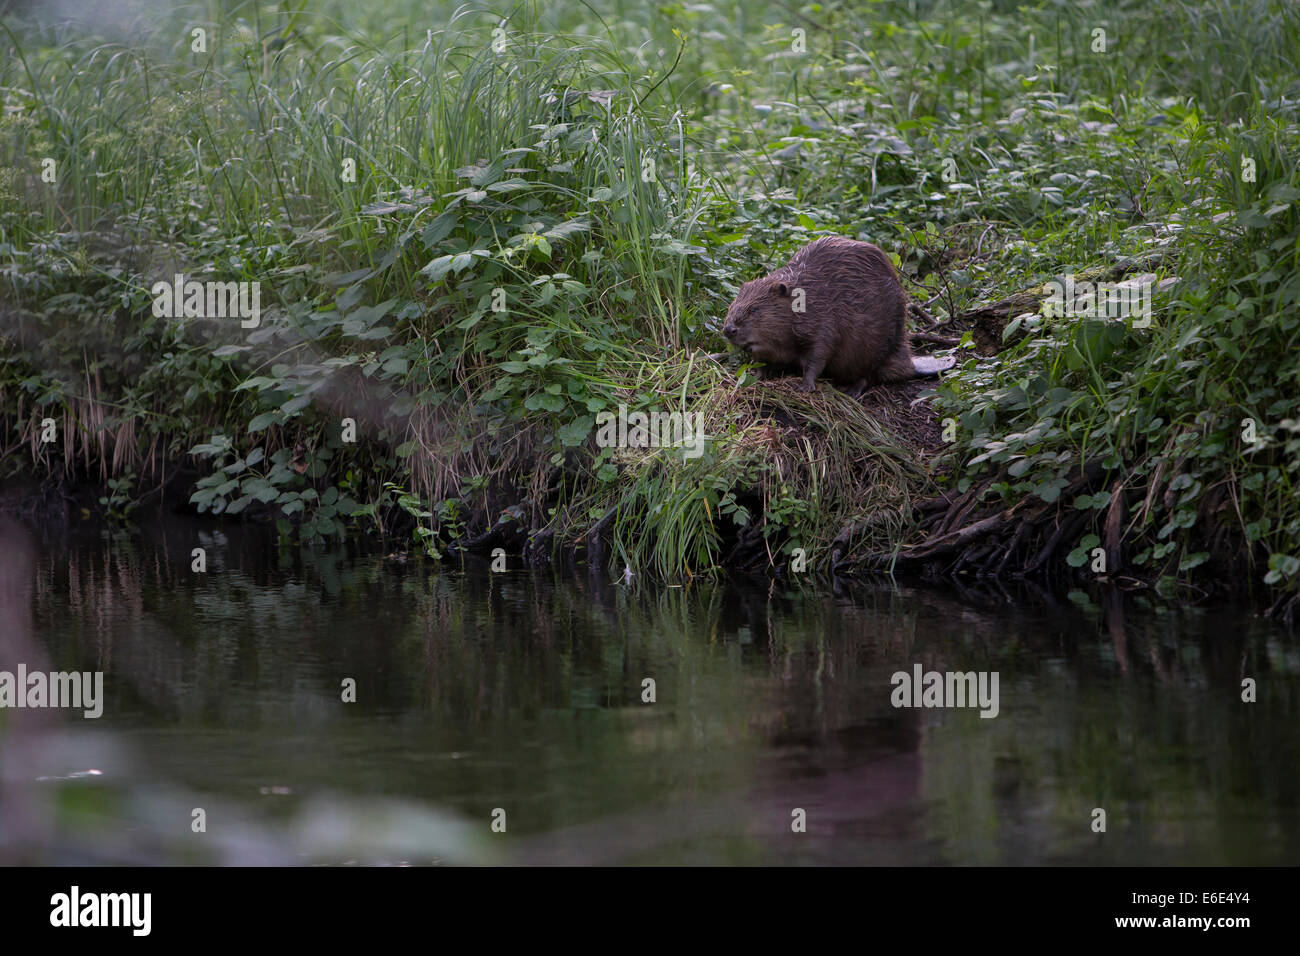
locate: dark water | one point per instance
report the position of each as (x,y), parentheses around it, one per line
(522,692)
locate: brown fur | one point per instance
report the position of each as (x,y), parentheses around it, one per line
(852,330)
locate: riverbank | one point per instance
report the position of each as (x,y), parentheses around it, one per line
(458,250)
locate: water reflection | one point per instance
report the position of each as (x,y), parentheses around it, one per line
(523,692)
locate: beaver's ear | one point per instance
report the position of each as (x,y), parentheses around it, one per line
(782,291)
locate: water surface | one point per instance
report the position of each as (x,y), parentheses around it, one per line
(522,692)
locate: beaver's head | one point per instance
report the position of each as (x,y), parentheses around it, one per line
(761,317)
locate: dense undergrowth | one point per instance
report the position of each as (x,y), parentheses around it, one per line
(552,206)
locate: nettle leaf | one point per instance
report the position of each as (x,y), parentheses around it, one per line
(207,450)
(296,404)
(368,315)
(259,382)
(483,175)
(267,493)
(265,419)
(347,278)
(474,319)
(438,268)
(567,229)
(203,496)
(462,261)
(509,185)
(440,228)
(348,298)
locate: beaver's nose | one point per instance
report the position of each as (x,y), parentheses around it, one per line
(729,329)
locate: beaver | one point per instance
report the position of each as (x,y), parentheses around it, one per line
(836,309)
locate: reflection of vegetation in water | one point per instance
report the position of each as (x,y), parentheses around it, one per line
(1163,750)
(523,691)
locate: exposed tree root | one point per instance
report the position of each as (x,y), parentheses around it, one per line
(947,341)
(1021,540)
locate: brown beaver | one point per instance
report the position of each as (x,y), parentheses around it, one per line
(836,309)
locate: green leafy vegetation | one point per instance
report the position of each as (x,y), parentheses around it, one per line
(475,231)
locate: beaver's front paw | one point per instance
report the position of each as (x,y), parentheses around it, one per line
(805,386)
